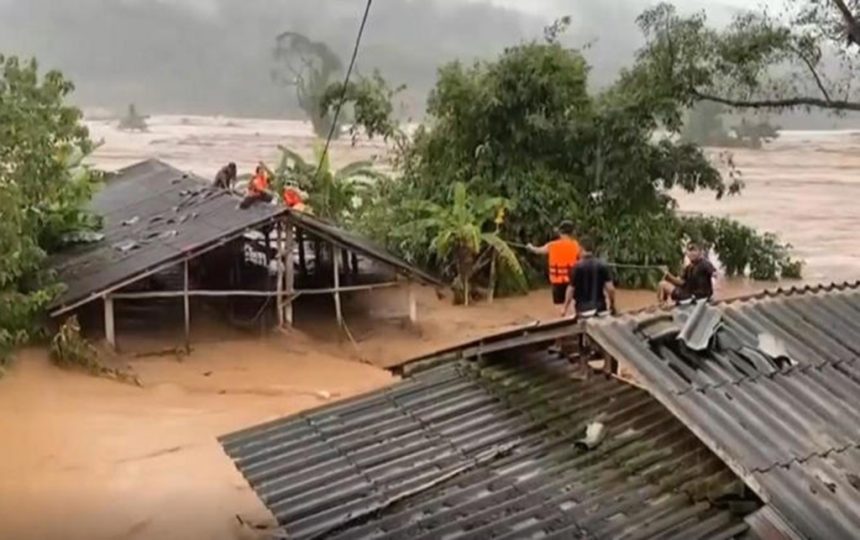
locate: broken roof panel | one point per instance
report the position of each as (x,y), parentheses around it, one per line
(790,427)
(487,450)
(153,214)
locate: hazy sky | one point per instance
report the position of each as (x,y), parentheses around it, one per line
(215,56)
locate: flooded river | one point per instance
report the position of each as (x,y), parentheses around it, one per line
(803,187)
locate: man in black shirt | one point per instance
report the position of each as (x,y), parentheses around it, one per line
(591,287)
(695,283)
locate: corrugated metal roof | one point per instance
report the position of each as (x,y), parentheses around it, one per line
(359,244)
(155,214)
(790,427)
(487,450)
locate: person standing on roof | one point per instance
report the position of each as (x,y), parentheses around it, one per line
(591,288)
(696,281)
(226,177)
(562,255)
(258,188)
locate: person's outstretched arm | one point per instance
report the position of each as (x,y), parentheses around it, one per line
(540,250)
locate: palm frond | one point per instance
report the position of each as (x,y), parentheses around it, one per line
(353,169)
(508,259)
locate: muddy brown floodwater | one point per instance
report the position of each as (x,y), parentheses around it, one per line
(91,459)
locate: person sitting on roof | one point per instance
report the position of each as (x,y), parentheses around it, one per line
(226,177)
(258,189)
(696,281)
(293,199)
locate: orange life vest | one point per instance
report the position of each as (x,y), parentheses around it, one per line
(259,184)
(292,197)
(563,255)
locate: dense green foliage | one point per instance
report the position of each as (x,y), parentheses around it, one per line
(525,128)
(43,188)
(458,231)
(310,67)
(334,195)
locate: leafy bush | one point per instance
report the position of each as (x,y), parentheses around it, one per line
(43,191)
(743,251)
(70,350)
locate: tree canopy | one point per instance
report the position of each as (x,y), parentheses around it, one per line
(43,189)
(310,67)
(797,54)
(525,128)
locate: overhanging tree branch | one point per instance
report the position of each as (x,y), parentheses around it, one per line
(788,103)
(850,22)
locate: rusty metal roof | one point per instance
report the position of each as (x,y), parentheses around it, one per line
(788,423)
(488,450)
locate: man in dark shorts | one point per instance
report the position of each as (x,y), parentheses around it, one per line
(562,255)
(591,286)
(695,283)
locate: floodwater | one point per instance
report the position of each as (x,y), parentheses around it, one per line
(92,459)
(803,187)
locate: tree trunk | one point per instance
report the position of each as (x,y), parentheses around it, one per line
(491,294)
(344,260)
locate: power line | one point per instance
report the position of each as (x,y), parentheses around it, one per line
(343,89)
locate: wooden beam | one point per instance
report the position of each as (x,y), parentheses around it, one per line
(413,306)
(110,335)
(335,258)
(250,293)
(187,307)
(290,277)
(279,286)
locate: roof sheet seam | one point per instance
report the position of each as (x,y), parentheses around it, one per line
(802,460)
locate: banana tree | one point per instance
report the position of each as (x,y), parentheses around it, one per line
(334,195)
(459,232)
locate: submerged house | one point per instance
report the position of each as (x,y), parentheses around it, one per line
(746,425)
(172,245)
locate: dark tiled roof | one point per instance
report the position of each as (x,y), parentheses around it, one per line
(155,215)
(487,450)
(790,427)
(162,215)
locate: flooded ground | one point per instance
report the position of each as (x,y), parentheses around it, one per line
(92,459)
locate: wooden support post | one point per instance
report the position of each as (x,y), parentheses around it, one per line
(187,305)
(413,306)
(110,336)
(290,276)
(335,264)
(279,286)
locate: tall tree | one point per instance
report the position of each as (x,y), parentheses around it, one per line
(43,189)
(310,67)
(794,55)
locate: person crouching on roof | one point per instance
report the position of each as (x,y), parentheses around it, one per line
(226,177)
(562,253)
(258,189)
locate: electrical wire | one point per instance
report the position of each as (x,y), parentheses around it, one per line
(343,89)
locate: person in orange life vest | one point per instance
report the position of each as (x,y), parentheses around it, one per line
(562,253)
(293,199)
(258,188)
